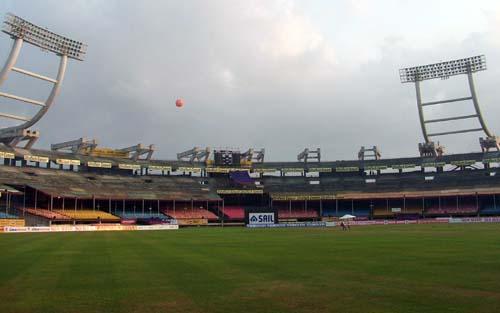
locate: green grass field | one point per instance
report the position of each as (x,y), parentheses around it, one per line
(406,268)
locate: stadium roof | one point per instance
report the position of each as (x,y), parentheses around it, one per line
(68,184)
(324,166)
(9,189)
(467,191)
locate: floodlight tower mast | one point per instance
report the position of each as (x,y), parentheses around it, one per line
(444,70)
(22,31)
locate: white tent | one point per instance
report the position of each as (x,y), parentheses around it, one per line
(347,217)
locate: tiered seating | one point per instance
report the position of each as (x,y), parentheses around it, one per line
(53,215)
(234,212)
(413,210)
(327,212)
(447,210)
(361,212)
(7,215)
(195,213)
(490,210)
(242,178)
(284,214)
(89,215)
(382,212)
(139,215)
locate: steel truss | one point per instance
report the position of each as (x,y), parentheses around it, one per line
(22,31)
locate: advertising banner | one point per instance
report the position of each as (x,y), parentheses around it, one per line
(192,221)
(157,227)
(282,225)
(86,228)
(15,222)
(261,218)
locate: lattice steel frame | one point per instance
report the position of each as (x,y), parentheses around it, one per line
(306,155)
(22,31)
(443,70)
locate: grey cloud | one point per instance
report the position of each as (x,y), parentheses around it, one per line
(245,83)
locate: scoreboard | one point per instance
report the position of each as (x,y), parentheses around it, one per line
(227,158)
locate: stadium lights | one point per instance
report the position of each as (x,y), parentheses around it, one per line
(17,27)
(22,31)
(443,69)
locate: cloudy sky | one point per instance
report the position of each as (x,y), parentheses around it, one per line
(278,74)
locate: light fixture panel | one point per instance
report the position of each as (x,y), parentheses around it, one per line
(17,27)
(443,69)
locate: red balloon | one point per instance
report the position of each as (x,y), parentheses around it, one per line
(179,103)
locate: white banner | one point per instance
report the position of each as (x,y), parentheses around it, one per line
(261,218)
(84,228)
(157,227)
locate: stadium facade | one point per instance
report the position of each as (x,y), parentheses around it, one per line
(78,182)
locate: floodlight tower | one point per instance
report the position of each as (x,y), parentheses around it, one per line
(444,70)
(22,31)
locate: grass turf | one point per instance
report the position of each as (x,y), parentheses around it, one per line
(406,268)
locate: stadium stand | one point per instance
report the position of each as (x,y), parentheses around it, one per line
(379,212)
(136,215)
(451,210)
(490,210)
(297,213)
(7,215)
(329,212)
(400,195)
(413,210)
(68,184)
(452,206)
(89,215)
(242,178)
(51,215)
(234,212)
(195,213)
(361,212)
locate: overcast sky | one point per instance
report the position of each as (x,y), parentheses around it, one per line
(278,74)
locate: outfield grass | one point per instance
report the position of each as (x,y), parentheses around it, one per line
(406,268)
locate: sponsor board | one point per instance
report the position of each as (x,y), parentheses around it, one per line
(127,166)
(433,164)
(282,197)
(261,218)
(7,155)
(36,158)
(160,167)
(402,166)
(240,191)
(320,169)
(345,169)
(157,227)
(265,170)
(86,228)
(14,222)
(468,220)
(225,169)
(283,225)
(463,162)
(189,169)
(21,229)
(67,162)
(292,170)
(488,160)
(99,164)
(192,221)
(375,167)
